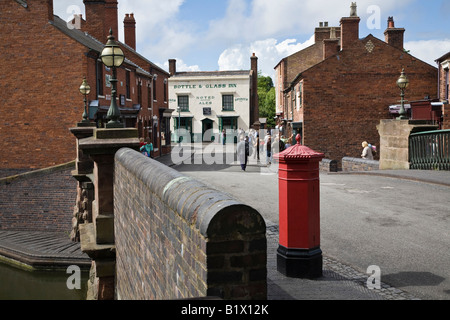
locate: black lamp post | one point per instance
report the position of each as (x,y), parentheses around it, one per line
(179,124)
(112,56)
(403,84)
(85,89)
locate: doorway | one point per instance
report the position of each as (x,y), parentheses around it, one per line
(207,130)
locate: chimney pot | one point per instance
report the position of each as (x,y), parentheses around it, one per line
(391,23)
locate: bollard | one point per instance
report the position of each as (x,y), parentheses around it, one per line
(299,254)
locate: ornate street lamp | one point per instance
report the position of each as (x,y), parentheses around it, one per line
(85,89)
(403,84)
(112,56)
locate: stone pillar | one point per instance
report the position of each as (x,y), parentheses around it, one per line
(97,238)
(299,254)
(83,173)
(394,141)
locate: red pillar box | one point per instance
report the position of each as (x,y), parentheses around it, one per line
(299,254)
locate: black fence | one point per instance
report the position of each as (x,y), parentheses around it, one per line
(430,150)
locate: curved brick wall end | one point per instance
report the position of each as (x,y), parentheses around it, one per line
(178,238)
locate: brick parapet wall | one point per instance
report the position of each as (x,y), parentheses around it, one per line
(177,238)
(357,164)
(41,200)
(327,165)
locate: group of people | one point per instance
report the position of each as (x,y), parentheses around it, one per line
(251,145)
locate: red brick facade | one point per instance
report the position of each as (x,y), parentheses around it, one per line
(341,100)
(47,61)
(288,68)
(444,88)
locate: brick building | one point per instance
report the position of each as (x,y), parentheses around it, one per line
(444,87)
(47,61)
(288,68)
(337,102)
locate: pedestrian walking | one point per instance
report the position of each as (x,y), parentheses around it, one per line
(243,151)
(367,151)
(268,147)
(224,136)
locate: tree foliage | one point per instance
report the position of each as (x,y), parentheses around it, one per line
(266,97)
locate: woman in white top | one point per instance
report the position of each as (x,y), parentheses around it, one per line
(367,152)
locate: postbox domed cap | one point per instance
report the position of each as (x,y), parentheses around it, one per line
(299,152)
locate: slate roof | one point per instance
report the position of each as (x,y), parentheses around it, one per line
(23,3)
(92,43)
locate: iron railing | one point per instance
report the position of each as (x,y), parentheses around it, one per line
(430,150)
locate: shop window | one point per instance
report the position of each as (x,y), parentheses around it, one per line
(128,84)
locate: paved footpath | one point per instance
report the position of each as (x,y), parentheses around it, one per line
(339,281)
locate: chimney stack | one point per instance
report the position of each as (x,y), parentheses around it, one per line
(349,31)
(129,26)
(172,67)
(254,103)
(95,17)
(350,28)
(322,32)
(394,36)
(101,16)
(50,10)
(111,18)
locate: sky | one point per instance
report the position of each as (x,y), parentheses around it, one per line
(206,35)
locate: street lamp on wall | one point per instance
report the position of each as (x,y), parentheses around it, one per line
(85,89)
(403,84)
(112,56)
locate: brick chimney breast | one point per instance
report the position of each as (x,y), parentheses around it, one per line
(129,25)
